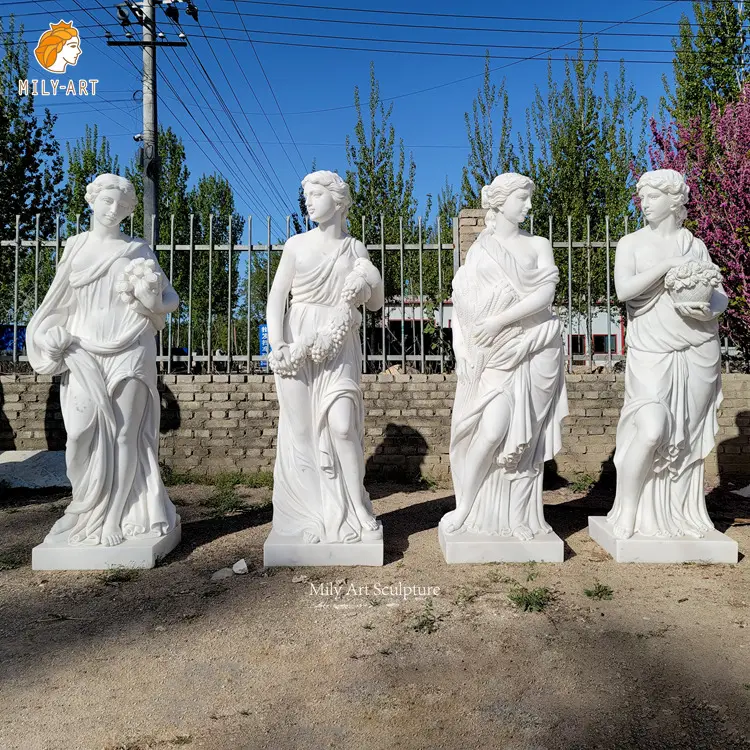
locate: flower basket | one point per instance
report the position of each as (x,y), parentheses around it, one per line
(692,282)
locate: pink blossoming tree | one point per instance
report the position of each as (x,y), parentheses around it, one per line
(714,156)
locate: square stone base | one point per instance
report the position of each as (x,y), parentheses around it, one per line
(291,551)
(132,553)
(714,547)
(485,548)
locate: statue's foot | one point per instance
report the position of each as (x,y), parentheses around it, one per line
(453,521)
(309,538)
(372,535)
(524,533)
(112,536)
(66,523)
(621,532)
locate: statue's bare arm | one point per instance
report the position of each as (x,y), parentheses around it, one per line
(628,283)
(277,297)
(378,295)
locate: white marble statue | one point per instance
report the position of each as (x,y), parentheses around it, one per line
(511,395)
(318,494)
(96,328)
(673,368)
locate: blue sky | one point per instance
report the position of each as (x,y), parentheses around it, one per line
(313,87)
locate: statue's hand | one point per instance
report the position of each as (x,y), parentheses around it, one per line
(148,293)
(282,354)
(487,330)
(56,342)
(696,310)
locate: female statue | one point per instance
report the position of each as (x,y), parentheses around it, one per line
(318,491)
(673,369)
(96,328)
(511,394)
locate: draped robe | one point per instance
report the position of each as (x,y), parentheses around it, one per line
(310,494)
(675,362)
(111,344)
(525,367)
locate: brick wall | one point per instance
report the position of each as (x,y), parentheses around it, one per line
(218,423)
(470,224)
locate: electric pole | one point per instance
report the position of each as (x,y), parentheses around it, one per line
(144,13)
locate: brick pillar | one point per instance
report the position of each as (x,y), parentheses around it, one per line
(470,224)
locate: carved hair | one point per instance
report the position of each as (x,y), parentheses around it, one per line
(52,41)
(673,184)
(337,187)
(495,195)
(112,182)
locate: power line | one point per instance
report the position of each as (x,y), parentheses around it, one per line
(251,196)
(270,88)
(277,196)
(454,16)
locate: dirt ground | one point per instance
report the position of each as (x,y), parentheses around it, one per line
(166,658)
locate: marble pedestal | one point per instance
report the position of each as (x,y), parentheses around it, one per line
(291,551)
(714,547)
(486,548)
(132,553)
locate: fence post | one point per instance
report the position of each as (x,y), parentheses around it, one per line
(268,266)
(609,301)
(36,264)
(15,291)
(171,281)
(229,300)
(247,290)
(403,306)
(589,321)
(385,297)
(209,341)
(57,240)
(190,295)
(570,294)
(440,290)
(423,362)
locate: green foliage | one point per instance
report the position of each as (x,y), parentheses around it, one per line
(381,180)
(580,148)
(426,621)
(487,161)
(599,592)
(530,600)
(582,483)
(88,157)
(231,479)
(30,176)
(709,61)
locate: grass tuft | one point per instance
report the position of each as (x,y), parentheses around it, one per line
(582,483)
(530,600)
(426,621)
(119,574)
(599,592)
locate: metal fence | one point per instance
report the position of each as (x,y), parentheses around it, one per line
(224,287)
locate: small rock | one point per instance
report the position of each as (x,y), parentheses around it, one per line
(240,567)
(220,575)
(299,579)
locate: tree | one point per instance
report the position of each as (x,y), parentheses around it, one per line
(579,149)
(486,162)
(719,206)
(30,177)
(211,203)
(381,180)
(88,158)
(173,181)
(709,62)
